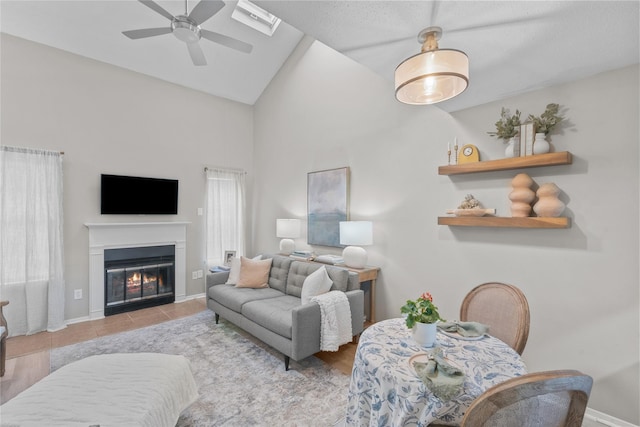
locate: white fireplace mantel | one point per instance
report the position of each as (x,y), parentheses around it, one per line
(114,235)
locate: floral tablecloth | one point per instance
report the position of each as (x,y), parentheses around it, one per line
(385,390)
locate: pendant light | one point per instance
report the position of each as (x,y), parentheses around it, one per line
(433,75)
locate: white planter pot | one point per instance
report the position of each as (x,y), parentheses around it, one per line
(508,152)
(425,334)
(540,144)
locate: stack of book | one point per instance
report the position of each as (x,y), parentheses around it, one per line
(329,259)
(302,255)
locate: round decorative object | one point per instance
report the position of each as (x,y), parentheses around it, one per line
(425,334)
(540,144)
(469,154)
(521,196)
(508,152)
(548,205)
(354,256)
(287,246)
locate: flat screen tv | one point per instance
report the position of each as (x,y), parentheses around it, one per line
(121,195)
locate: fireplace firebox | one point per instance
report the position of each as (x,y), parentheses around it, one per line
(138,278)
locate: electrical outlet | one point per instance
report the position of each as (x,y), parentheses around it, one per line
(200,212)
(77,294)
(194,275)
(199,274)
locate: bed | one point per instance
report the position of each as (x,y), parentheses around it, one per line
(133,389)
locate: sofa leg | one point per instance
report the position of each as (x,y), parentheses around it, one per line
(286,363)
(217,318)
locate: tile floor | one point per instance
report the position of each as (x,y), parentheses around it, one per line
(77,332)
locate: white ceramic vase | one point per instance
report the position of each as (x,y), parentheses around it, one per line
(540,144)
(508,152)
(425,334)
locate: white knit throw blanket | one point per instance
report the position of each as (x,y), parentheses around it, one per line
(335,315)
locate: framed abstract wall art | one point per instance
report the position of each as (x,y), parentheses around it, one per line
(327,205)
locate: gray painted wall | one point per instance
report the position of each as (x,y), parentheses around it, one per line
(110,120)
(324,111)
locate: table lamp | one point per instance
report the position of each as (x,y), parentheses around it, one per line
(355,234)
(287,229)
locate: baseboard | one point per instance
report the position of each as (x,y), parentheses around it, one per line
(606,420)
(191,297)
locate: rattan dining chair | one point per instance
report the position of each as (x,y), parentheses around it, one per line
(503,308)
(550,399)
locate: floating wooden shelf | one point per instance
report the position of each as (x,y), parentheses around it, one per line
(505,222)
(548,159)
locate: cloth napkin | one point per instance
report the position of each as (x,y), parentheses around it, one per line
(444,380)
(466,329)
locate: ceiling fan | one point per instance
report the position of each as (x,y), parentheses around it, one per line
(187,28)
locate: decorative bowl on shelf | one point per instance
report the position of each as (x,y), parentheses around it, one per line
(471,212)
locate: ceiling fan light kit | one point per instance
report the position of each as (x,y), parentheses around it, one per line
(434,75)
(186,28)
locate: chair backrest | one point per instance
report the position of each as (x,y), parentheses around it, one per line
(503,308)
(550,399)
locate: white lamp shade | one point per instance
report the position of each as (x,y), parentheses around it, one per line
(288,228)
(432,76)
(358,233)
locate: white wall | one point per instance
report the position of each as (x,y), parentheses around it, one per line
(325,111)
(110,120)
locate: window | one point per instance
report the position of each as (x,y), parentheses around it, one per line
(225,218)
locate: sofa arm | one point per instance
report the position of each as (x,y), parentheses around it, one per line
(218,278)
(305,330)
(356,304)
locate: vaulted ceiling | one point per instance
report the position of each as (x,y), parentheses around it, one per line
(513,46)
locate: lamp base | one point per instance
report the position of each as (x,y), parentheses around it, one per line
(287,246)
(354,256)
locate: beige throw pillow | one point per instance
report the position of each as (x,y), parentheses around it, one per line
(315,284)
(234,272)
(253,273)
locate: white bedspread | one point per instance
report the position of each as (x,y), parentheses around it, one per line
(136,389)
(335,313)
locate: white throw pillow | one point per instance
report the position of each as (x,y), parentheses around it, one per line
(234,272)
(315,284)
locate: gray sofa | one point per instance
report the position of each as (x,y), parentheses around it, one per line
(276,315)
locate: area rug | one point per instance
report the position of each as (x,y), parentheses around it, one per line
(241,381)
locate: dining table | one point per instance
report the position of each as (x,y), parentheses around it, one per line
(385,389)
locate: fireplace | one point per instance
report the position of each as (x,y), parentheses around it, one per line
(125,235)
(138,277)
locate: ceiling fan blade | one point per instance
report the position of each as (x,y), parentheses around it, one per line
(156,7)
(196,53)
(205,10)
(146,32)
(226,41)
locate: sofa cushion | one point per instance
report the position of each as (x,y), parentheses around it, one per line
(300,270)
(273,314)
(279,272)
(234,298)
(254,274)
(315,284)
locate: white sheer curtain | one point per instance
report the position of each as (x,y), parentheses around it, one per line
(31,240)
(225,216)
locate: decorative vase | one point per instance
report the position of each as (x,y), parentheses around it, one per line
(508,152)
(540,144)
(521,196)
(548,205)
(425,334)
